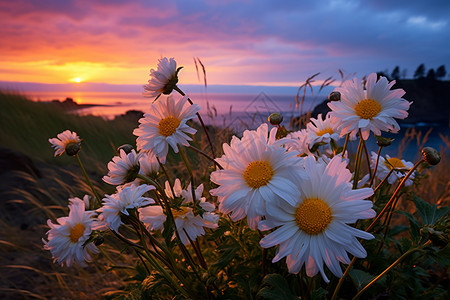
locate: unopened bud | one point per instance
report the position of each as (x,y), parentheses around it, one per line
(275,119)
(431,155)
(72,149)
(383,141)
(334,96)
(172,83)
(125,147)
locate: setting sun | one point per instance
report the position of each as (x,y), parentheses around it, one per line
(78,79)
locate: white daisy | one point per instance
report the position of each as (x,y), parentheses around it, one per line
(298,141)
(385,165)
(67,236)
(263,133)
(314,230)
(162,80)
(254,174)
(123,168)
(188,225)
(131,196)
(165,125)
(66,140)
(370,109)
(149,165)
(320,130)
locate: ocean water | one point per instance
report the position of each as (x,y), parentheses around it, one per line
(235,110)
(246,111)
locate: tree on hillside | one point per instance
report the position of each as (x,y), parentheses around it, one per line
(441,72)
(404,72)
(420,71)
(431,74)
(395,73)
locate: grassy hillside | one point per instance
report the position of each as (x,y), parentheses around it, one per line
(26,126)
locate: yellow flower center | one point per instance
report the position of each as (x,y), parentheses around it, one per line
(258,173)
(76,232)
(168,126)
(326,130)
(394,163)
(181,211)
(367,109)
(313,216)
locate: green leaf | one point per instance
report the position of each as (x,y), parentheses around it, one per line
(227,255)
(443,256)
(276,287)
(415,224)
(360,278)
(429,214)
(319,294)
(168,231)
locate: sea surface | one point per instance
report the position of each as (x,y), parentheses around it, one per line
(236,110)
(248,111)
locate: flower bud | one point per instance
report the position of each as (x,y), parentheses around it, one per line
(334,96)
(431,155)
(383,141)
(125,147)
(172,83)
(72,149)
(275,119)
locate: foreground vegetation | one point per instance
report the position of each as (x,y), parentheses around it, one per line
(28,271)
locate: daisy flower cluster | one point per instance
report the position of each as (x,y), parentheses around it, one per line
(310,203)
(296,191)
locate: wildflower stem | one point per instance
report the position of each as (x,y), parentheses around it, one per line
(390,268)
(196,203)
(167,176)
(166,274)
(358,162)
(176,88)
(376,166)
(395,194)
(383,181)
(338,286)
(191,174)
(142,260)
(347,138)
(206,155)
(126,241)
(88,181)
(367,158)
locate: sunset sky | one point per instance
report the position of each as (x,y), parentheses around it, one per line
(241,42)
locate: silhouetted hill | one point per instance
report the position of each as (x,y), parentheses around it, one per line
(431,101)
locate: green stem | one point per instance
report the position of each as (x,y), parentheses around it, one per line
(191,174)
(166,274)
(341,280)
(200,119)
(88,181)
(207,156)
(167,176)
(376,166)
(383,181)
(358,162)
(336,290)
(368,159)
(389,268)
(347,138)
(395,194)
